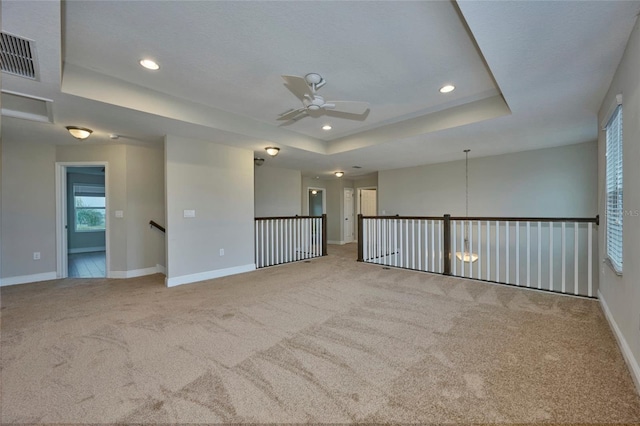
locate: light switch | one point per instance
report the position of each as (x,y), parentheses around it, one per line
(189,213)
(119,213)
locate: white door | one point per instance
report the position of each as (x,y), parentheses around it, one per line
(368,202)
(348,215)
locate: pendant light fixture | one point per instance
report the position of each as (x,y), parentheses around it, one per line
(467,255)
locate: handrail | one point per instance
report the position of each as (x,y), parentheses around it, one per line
(158,226)
(595,220)
(521,251)
(287,217)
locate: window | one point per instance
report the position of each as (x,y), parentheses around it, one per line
(89,207)
(614,211)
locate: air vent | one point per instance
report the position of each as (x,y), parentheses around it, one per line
(17,56)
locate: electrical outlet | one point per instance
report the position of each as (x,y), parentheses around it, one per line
(36,255)
(221,252)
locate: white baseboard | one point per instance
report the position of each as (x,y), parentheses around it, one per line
(134,273)
(341,243)
(208,275)
(161,269)
(632,363)
(25,279)
(86,250)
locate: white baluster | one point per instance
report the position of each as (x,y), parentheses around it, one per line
(453,249)
(590,260)
(551,256)
(479,251)
(528,254)
(517,253)
(441,260)
(413,244)
(575,257)
(419,248)
(498,251)
(539,254)
(488,251)
(470,227)
(507,263)
(564,256)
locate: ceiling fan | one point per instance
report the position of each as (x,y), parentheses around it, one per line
(306,89)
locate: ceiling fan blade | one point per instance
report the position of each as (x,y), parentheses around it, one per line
(297,85)
(350,107)
(291,115)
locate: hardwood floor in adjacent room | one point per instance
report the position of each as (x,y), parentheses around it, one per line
(87,265)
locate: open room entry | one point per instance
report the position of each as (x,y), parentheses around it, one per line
(317,201)
(82,220)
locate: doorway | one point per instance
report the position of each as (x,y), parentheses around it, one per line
(81,220)
(316,201)
(348,215)
(367,201)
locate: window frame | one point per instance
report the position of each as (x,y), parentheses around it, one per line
(101,194)
(614,187)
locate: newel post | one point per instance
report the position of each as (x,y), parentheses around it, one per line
(324,234)
(360,245)
(447,244)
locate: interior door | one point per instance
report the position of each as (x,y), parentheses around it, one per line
(348,215)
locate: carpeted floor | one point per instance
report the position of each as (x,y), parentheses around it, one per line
(328,341)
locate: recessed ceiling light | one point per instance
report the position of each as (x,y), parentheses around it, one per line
(149,64)
(448,88)
(326,127)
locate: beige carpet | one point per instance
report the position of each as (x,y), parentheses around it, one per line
(328,341)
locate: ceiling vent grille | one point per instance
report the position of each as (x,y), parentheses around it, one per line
(17,56)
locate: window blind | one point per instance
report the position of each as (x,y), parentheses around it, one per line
(88,190)
(614,208)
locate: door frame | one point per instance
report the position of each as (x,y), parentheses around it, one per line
(359,189)
(62,267)
(353,215)
(324,199)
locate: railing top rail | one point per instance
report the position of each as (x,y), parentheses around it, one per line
(405,217)
(288,217)
(595,220)
(530,219)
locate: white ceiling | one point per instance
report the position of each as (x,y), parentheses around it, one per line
(528,74)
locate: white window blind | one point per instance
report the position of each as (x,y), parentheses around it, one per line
(614,209)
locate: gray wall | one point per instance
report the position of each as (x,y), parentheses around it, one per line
(29,222)
(277,191)
(548,182)
(217,182)
(622,293)
(145,202)
(28,207)
(79,242)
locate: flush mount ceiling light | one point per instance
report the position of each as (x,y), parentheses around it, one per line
(339,174)
(272,150)
(79,132)
(149,64)
(326,127)
(258,161)
(448,88)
